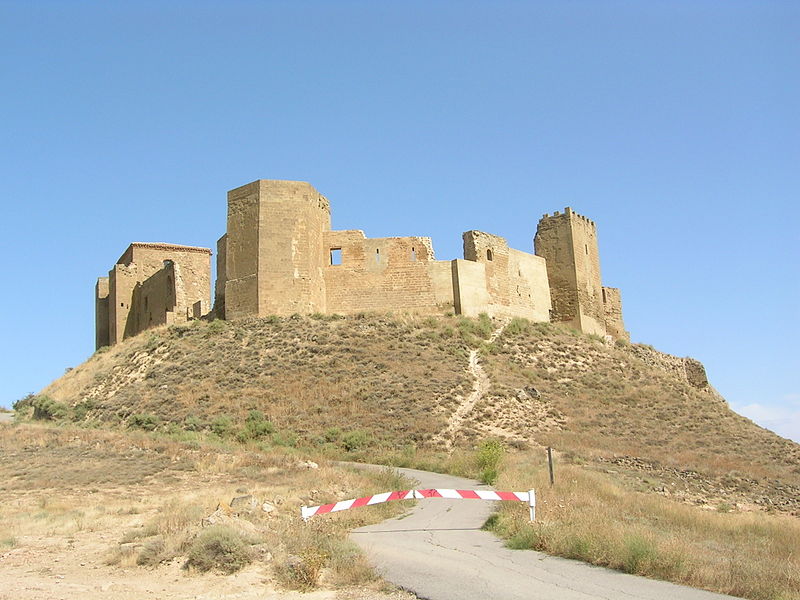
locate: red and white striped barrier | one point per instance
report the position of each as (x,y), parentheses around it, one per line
(530,497)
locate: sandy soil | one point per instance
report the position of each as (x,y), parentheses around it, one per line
(56,538)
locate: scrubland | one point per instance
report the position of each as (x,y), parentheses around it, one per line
(653,475)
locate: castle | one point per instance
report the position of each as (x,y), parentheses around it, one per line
(279,256)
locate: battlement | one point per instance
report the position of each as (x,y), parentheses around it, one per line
(569,214)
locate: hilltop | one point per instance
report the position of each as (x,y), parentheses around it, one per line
(397,385)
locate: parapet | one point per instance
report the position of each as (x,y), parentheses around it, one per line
(570,214)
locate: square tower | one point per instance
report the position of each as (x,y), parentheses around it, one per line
(568,242)
(273,249)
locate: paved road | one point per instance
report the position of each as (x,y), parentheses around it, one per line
(439,553)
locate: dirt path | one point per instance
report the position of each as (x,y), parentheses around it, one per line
(480,387)
(6,417)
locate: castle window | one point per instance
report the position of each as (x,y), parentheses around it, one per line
(377,255)
(413,255)
(489,254)
(336,256)
(586,247)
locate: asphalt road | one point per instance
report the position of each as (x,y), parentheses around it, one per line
(439,552)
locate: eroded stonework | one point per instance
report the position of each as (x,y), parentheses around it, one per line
(279,256)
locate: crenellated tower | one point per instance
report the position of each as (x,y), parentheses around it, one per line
(568,242)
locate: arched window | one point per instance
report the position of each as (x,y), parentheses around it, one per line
(489,255)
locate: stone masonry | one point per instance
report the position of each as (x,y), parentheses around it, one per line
(279,256)
(151,284)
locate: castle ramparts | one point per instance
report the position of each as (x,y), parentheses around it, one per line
(279,256)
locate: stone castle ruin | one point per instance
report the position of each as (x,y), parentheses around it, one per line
(279,256)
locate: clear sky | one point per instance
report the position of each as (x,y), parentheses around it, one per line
(675,125)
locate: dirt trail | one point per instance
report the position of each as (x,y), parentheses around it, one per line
(480,387)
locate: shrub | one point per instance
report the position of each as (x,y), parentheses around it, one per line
(47,409)
(24,403)
(144,421)
(222,426)
(257,426)
(193,423)
(218,547)
(332,434)
(516,326)
(216,326)
(82,408)
(355,440)
(490,455)
(285,438)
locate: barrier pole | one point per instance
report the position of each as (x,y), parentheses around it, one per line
(532,504)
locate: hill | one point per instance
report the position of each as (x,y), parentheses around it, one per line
(399,385)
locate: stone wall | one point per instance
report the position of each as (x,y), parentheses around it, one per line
(129,288)
(382,274)
(612,305)
(219,285)
(689,369)
(101,312)
(516,282)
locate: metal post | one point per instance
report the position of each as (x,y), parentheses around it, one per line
(532,504)
(550,464)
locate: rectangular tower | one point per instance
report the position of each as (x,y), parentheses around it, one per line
(568,242)
(274,254)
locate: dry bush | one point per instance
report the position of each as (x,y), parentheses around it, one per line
(219,547)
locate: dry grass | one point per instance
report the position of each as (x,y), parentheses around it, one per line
(590,517)
(159,513)
(395,376)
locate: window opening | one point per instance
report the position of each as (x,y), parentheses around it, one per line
(586,247)
(489,255)
(377,255)
(336,256)
(413,254)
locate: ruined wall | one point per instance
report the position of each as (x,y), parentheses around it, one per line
(568,243)
(612,305)
(101,312)
(382,274)
(274,256)
(219,285)
(515,281)
(155,300)
(140,262)
(689,369)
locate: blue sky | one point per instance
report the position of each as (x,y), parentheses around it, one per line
(674,125)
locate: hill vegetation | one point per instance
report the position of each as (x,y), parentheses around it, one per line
(641,440)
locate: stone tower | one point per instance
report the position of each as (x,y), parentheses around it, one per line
(568,242)
(271,258)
